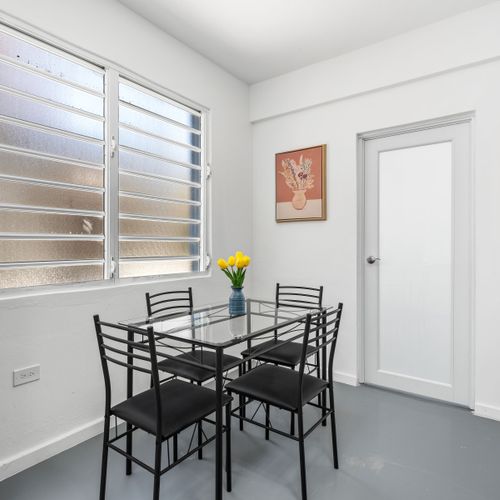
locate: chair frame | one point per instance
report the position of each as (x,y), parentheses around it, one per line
(172,303)
(301,297)
(325,330)
(148,355)
(175,300)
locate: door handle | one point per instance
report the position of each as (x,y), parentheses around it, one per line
(372,260)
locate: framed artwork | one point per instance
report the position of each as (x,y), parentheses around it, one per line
(301,184)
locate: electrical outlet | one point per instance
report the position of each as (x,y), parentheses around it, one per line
(25,375)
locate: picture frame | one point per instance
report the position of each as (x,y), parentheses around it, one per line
(300,177)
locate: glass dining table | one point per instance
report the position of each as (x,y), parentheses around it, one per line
(212,327)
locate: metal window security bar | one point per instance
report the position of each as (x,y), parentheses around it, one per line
(52,168)
(161,184)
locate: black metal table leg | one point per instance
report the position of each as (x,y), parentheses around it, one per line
(130,390)
(218,424)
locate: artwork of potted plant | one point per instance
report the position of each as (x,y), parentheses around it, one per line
(298,178)
(300,184)
(235,269)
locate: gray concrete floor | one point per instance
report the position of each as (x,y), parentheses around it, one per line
(392,447)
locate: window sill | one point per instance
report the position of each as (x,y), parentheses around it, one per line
(30,292)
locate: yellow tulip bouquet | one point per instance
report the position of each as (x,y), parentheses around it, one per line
(235,268)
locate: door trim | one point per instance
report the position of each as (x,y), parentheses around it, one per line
(362,138)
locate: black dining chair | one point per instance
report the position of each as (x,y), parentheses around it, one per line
(170,304)
(164,410)
(290,390)
(288,354)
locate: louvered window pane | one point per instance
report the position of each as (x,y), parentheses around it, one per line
(28,82)
(158,126)
(161,212)
(160,188)
(135,269)
(49,274)
(154,167)
(150,102)
(51,165)
(28,110)
(33,222)
(158,248)
(144,227)
(35,140)
(27,250)
(49,61)
(19,194)
(162,149)
(29,166)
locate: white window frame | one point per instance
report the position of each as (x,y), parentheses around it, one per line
(113,72)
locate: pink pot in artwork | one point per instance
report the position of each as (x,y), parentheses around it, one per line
(299,199)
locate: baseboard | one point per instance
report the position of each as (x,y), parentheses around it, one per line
(487,411)
(345,378)
(32,456)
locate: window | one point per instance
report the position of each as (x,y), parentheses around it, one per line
(51,166)
(160,184)
(59,179)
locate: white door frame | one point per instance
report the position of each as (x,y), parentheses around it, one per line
(467,117)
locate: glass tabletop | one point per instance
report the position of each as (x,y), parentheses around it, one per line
(213,326)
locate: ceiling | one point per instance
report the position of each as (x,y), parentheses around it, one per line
(259,39)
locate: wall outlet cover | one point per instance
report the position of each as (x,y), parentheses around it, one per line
(25,375)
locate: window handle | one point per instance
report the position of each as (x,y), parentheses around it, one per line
(113,267)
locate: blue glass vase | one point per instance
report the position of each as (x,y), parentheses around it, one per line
(237,302)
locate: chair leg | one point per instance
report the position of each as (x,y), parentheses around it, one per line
(176,447)
(268,421)
(303,481)
(318,374)
(292,419)
(156,487)
(128,439)
(334,429)
(200,436)
(104,463)
(241,399)
(323,407)
(228,447)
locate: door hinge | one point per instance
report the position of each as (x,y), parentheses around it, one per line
(208,262)
(209,171)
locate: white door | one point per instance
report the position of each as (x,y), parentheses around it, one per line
(418,295)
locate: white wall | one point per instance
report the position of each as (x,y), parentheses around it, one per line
(306,108)
(55,330)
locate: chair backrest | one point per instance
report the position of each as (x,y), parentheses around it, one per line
(168,303)
(321,330)
(120,345)
(299,296)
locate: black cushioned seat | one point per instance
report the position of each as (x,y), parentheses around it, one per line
(284,353)
(277,386)
(182,403)
(196,373)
